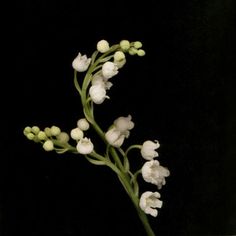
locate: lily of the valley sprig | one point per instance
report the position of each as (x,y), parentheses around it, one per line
(93,80)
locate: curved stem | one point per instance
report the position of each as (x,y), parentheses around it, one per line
(117,167)
(133,147)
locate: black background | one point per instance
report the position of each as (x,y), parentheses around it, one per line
(179,93)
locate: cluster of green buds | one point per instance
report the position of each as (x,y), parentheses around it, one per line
(51,138)
(105,63)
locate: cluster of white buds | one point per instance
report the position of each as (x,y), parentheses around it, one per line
(153,173)
(84,145)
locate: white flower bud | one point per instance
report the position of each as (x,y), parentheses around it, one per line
(55,130)
(84,146)
(153,173)
(48,145)
(76,134)
(149,201)
(83,124)
(148,149)
(109,69)
(81,63)
(63,137)
(103,46)
(97,93)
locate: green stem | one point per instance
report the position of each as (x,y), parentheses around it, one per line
(118,167)
(135,200)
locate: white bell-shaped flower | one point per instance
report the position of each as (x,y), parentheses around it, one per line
(84,146)
(101,80)
(124,124)
(149,201)
(81,63)
(148,149)
(114,137)
(154,173)
(97,93)
(109,69)
(120,130)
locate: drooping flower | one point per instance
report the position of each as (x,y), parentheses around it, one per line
(98,78)
(148,149)
(109,69)
(84,146)
(124,124)
(119,131)
(81,63)
(103,46)
(154,173)
(114,137)
(97,93)
(149,201)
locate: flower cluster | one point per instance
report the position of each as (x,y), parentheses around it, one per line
(99,69)
(54,139)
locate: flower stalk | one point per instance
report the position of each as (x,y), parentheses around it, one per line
(104,64)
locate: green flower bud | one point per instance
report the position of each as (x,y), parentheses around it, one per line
(42,135)
(119,56)
(27,130)
(141,52)
(48,132)
(103,46)
(35,129)
(55,130)
(63,137)
(30,136)
(138,44)
(48,145)
(133,51)
(125,45)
